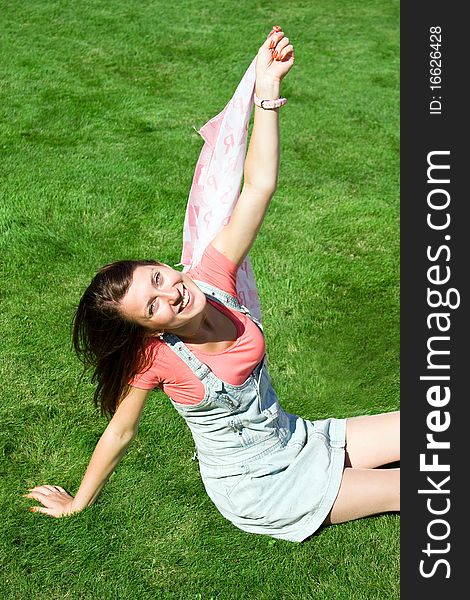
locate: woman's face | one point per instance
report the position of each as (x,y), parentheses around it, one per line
(162,299)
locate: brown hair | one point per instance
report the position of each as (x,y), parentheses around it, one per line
(104,339)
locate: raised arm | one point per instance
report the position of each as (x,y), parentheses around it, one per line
(110,449)
(274,60)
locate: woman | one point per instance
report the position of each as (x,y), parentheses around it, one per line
(142,324)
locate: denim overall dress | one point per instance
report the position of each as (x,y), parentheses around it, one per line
(267,471)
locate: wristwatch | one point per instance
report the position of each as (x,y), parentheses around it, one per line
(269,104)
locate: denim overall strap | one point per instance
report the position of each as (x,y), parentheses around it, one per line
(199,369)
(226,299)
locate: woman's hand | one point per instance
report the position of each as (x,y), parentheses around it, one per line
(57,502)
(275,57)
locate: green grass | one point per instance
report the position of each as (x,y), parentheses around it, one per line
(97,147)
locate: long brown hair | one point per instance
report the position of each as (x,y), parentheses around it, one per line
(105,340)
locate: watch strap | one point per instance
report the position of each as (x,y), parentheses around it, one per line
(269,104)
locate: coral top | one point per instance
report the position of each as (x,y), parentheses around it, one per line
(233,365)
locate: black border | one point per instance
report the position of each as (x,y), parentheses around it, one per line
(421,133)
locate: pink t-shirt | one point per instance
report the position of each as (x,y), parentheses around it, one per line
(233,365)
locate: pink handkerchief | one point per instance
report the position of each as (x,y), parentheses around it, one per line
(216,185)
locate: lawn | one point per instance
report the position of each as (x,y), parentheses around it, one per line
(99,104)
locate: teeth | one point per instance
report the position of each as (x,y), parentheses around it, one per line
(185,299)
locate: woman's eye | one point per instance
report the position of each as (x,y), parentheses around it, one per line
(156,283)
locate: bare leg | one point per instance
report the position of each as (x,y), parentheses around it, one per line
(373,441)
(366,492)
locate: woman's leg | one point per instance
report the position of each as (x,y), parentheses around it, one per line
(373,441)
(365,492)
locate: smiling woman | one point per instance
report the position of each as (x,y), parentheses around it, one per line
(160,298)
(143,325)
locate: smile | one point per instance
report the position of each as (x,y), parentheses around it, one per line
(186,299)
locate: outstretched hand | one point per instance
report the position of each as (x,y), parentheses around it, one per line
(56,501)
(275,57)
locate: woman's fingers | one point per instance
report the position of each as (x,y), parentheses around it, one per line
(56,502)
(279,44)
(40,509)
(42,489)
(275,38)
(275,29)
(35,494)
(48,495)
(38,496)
(47,489)
(286,52)
(46,500)
(282,49)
